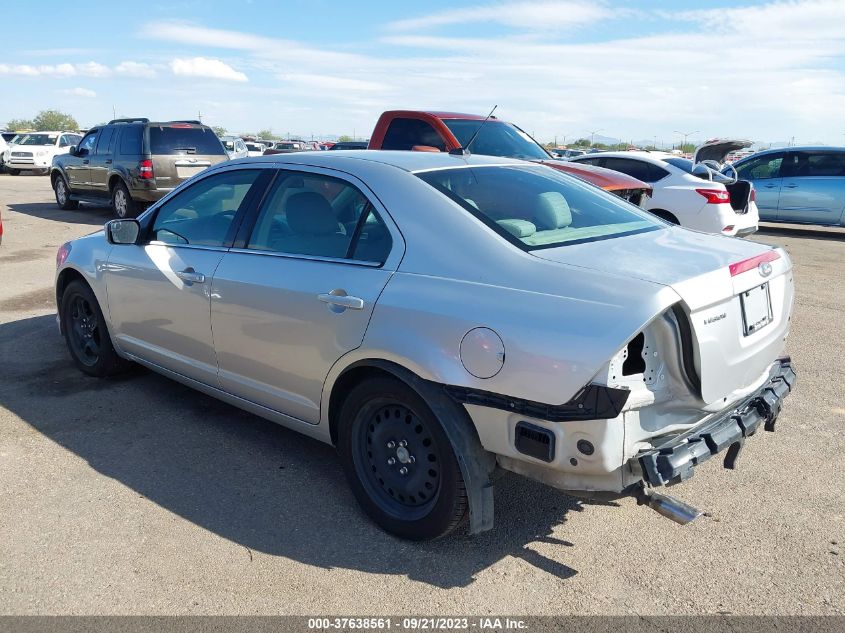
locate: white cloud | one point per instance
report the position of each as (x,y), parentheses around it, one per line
(206,67)
(135,69)
(80,92)
(87,69)
(540,16)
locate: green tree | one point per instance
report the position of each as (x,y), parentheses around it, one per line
(344,138)
(54,120)
(19,124)
(267,134)
(219,130)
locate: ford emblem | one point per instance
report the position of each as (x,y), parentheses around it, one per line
(765,269)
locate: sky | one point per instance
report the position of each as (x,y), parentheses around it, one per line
(641,69)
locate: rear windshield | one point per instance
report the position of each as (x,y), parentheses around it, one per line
(539,207)
(495,138)
(184,140)
(680,163)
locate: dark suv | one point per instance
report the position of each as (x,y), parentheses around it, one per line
(133,162)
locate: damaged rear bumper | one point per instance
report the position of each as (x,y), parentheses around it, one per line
(675,458)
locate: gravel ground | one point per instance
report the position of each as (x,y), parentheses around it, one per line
(140,496)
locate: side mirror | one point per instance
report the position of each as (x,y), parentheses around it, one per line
(72,150)
(123,231)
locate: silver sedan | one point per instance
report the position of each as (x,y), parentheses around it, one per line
(436,316)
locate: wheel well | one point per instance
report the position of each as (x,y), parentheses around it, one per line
(53,175)
(65,277)
(113,182)
(665,215)
(344,384)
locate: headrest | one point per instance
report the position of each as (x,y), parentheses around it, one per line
(309,213)
(551,211)
(518,228)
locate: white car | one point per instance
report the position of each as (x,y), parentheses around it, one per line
(35,151)
(255,149)
(701,194)
(235,147)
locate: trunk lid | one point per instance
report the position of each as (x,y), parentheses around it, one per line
(724,291)
(717,149)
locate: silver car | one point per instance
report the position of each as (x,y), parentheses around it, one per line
(802,185)
(436,316)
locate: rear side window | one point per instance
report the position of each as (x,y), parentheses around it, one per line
(130,140)
(761,168)
(105,142)
(321,216)
(184,140)
(638,169)
(806,164)
(403,134)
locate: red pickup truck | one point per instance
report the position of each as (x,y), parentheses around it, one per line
(445,131)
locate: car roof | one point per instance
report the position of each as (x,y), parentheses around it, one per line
(653,157)
(405,160)
(800,148)
(440,115)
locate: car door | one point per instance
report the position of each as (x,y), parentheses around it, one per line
(764,172)
(158,291)
(77,165)
(101,161)
(813,189)
(296,293)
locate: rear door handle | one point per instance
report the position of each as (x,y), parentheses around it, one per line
(770,186)
(790,186)
(86,161)
(109,161)
(335,298)
(189,275)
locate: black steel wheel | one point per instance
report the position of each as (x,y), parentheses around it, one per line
(86,334)
(400,462)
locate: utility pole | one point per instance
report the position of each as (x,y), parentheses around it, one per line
(113,112)
(199,115)
(593,135)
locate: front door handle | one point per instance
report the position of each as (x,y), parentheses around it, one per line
(339,299)
(790,186)
(770,186)
(86,161)
(108,161)
(190,276)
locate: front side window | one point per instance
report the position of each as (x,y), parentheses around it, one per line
(320,216)
(404,134)
(495,138)
(538,207)
(202,215)
(761,168)
(87,144)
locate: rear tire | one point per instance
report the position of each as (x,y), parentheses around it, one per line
(122,203)
(399,461)
(665,215)
(62,192)
(86,334)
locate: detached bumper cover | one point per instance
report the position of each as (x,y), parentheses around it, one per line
(675,459)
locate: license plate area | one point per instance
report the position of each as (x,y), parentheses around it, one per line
(756,309)
(186,171)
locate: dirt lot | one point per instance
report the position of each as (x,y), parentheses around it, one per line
(141,496)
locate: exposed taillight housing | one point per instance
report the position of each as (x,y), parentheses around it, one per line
(752,262)
(715,196)
(753,196)
(62,253)
(145,169)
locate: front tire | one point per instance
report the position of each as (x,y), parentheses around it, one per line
(13,172)
(86,334)
(122,203)
(399,461)
(62,192)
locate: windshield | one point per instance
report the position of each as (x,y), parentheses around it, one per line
(37,139)
(184,140)
(539,207)
(496,138)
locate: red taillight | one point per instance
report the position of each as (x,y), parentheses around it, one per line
(752,262)
(753,197)
(62,253)
(145,169)
(715,196)
(728,228)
